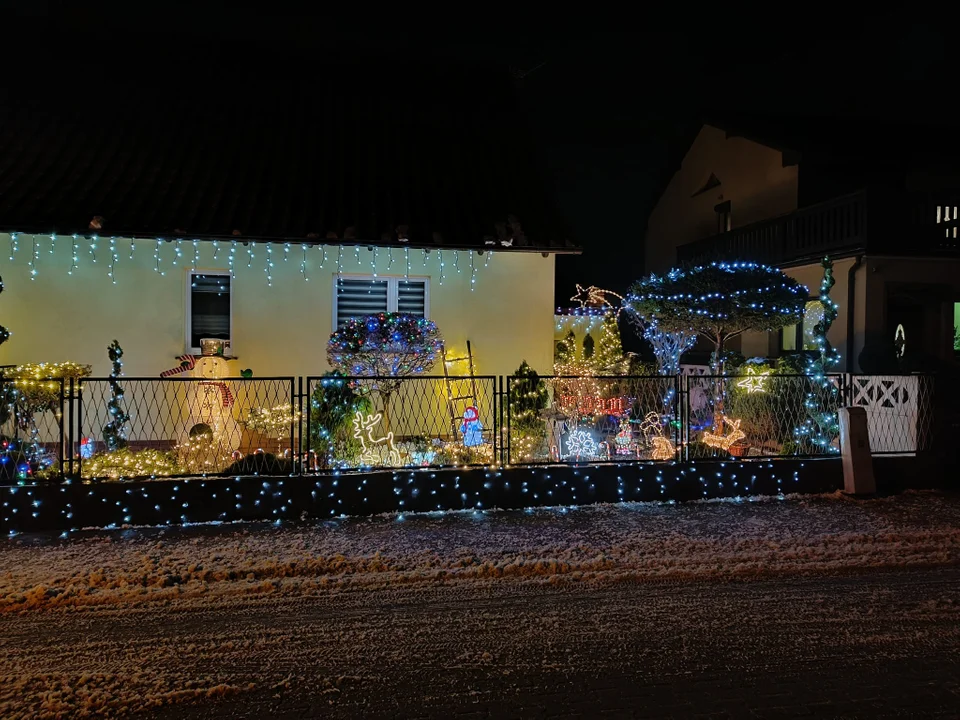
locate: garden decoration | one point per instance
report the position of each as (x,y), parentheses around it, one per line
(379,451)
(724,441)
(115,431)
(471,429)
(755,381)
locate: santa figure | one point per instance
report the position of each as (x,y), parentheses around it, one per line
(471,428)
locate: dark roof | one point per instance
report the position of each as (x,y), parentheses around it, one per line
(355,154)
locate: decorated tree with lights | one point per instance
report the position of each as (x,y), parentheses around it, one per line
(115,431)
(608,358)
(719,301)
(386,347)
(588,346)
(566,349)
(528,396)
(822,426)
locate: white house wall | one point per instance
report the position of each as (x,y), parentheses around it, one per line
(278,330)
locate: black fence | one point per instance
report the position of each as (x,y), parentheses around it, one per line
(173,427)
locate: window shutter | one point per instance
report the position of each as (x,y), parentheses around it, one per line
(411,297)
(358,297)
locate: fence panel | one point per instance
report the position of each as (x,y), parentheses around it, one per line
(767,415)
(417,421)
(580,419)
(900,411)
(188,426)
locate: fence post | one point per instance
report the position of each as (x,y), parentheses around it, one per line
(493,383)
(62,459)
(69,449)
(685,415)
(306,443)
(678,417)
(294,460)
(79,427)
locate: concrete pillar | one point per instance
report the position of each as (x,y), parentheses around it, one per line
(855,450)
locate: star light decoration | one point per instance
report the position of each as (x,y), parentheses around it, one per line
(594,297)
(724,442)
(755,381)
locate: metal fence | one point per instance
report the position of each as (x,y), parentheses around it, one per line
(417,421)
(287,425)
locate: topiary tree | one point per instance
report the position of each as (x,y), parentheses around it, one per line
(588,346)
(566,349)
(822,425)
(387,347)
(115,431)
(719,301)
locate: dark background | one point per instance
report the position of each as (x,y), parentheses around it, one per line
(611,105)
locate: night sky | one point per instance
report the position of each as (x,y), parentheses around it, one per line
(611,113)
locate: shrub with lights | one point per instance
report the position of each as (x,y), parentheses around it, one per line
(115,431)
(333,406)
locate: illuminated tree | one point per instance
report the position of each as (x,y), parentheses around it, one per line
(822,425)
(719,301)
(608,357)
(115,431)
(386,347)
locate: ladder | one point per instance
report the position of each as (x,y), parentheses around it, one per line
(461,387)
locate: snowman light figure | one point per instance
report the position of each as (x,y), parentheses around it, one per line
(471,428)
(211,403)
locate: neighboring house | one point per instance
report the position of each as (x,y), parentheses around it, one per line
(885,212)
(266,223)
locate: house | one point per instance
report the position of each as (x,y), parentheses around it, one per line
(268,220)
(882,205)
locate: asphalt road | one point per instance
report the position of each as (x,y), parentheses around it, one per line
(879,645)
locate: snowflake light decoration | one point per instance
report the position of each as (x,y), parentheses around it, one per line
(581,444)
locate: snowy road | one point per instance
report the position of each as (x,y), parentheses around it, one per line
(825,606)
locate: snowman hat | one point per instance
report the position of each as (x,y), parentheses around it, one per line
(471,413)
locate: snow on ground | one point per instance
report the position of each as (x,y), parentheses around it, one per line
(512,610)
(597,544)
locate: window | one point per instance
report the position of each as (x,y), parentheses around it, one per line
(208,308)
(355,296)
(800,336)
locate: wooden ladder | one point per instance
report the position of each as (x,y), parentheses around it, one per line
(459,398)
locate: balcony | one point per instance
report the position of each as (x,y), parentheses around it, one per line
(880,223)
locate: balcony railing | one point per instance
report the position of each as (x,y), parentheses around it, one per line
(905,224)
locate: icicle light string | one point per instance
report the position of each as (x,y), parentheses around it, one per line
(131,249)
(14,246)
(232,258)
(373,262)
(339,260)
(440,258)
(486,258)
(196,253)
(303,262)
(53,243)
(356,251)
(177,252)
(323,256)
(389,258)
(250,249)
(423,254)
(111,271)
(406,257)
(74,258)
(456,261)
(286,252)
(473,273)
(216,249)
(33,259)
(268,265)
(93,248)
(156,256)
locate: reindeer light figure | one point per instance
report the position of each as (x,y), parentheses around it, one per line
(373,450)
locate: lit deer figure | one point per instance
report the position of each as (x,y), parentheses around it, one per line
(372,452)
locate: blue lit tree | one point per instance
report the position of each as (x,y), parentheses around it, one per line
(718,301)
(822,425)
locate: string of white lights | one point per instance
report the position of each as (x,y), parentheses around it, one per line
(33,259)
